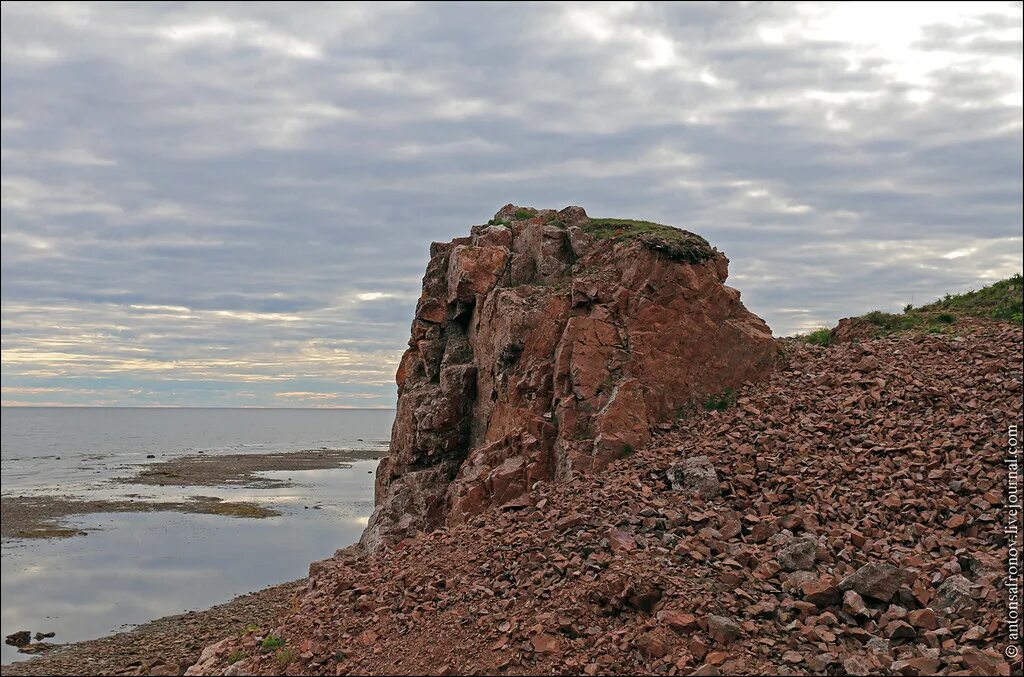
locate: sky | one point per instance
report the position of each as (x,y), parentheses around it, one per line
(231,204)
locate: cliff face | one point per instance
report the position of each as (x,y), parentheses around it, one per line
(546,343)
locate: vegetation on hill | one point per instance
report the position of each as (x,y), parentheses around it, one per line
(1002,300)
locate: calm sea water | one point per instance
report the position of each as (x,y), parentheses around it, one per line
(134,567)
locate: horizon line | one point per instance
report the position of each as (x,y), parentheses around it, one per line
(181,406)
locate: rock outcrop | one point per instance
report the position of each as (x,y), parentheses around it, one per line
(546,343)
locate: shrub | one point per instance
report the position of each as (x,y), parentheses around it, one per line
(819,337)
(270,642)
(286,656)
(721,401)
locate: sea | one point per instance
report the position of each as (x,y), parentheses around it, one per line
(134,567)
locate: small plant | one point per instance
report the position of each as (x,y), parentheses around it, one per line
(889,323)
(627,450)
(820,337)
(270,642)
(235,656)
(286,656)
(907,308)
(720,402)
(945,318)
(523,214)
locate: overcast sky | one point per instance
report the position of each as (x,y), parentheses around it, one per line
(232,204)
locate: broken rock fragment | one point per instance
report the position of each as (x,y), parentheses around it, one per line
(877,580)
(696,475)
(798,555)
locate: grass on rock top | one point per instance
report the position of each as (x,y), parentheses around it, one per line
(677,244)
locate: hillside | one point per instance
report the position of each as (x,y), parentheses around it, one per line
(845,516)
(1003,300)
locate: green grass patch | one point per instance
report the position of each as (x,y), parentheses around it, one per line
(286,656)
(627,450)
(523,214)
(677,244)
(1003,300)
(235,656)
(721,401)
(1000,301)
(819,337)
(888,323)
(271,642)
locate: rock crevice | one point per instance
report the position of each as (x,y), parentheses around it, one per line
(547,343)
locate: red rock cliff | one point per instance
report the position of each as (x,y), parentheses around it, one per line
(546,343)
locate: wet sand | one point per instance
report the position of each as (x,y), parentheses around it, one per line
(42,516)
(242,469)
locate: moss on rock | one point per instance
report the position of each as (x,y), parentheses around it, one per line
(676,243)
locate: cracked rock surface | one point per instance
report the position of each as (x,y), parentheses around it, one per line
(546,343)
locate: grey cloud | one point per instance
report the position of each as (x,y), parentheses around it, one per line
(245,194)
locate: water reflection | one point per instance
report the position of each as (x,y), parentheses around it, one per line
(139,566)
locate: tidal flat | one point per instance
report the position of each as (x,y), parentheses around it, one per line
(113,518)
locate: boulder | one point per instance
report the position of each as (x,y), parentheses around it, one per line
(798,555)
(877,580)
(723,630)
(19,639)
(545,344)
(954,596)
(696,476)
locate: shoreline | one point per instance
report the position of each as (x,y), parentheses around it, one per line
(40,517)
(164,646)
(168,644)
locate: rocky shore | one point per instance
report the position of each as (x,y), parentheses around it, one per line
(546,343)
(853,525)
(166,646)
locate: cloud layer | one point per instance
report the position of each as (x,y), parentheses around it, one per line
(231,204)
